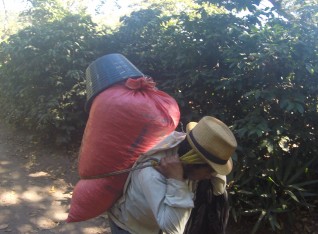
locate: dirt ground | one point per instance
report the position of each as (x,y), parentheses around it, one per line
(36,183)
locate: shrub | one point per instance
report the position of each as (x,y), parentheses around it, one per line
(42,76)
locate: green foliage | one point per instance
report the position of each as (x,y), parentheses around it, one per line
(260,77)
(44,11)
(42,76)
(235,5)
(271,189)
(278,123)
(173,49)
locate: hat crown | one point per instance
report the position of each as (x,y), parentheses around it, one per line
(214,142)
(215,137)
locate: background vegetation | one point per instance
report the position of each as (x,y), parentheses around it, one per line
(258,73)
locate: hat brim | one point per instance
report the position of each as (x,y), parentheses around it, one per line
(220,169)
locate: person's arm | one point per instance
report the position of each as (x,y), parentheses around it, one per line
(170,199)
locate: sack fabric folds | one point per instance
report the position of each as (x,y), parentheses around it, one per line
(125,121)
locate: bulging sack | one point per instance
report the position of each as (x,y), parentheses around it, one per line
(125,121)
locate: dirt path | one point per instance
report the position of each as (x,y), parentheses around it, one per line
(35,188)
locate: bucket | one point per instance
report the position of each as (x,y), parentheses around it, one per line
(106,71)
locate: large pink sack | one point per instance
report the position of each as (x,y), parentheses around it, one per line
(125,121)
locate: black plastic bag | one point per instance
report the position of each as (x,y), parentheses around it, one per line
(210,213)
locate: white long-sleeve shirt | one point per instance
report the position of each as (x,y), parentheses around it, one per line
(151,202)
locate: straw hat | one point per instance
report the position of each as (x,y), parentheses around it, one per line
(214,142)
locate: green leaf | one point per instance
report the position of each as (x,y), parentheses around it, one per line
(299,108)
(306,183)
(310,68)
(257,224)
(300,171)
(292,195)
(280,210)
(244,192)
(271,180)
(289,166)
(273,221)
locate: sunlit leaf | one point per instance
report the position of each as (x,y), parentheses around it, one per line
(292,195)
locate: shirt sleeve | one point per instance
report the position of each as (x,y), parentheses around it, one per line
(170,200)
(219,184)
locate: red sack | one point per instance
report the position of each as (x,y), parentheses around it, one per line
(125,121)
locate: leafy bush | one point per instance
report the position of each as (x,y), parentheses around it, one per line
(275,66)
(262,79)
(42,76)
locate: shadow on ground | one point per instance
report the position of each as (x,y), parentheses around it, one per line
(36,186)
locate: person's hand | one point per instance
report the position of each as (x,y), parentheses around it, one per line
(171,167)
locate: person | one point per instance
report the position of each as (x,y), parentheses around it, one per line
(159,198)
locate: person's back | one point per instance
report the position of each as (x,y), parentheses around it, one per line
(160,198)
(150,203)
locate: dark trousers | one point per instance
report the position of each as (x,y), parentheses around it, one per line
(115,229)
